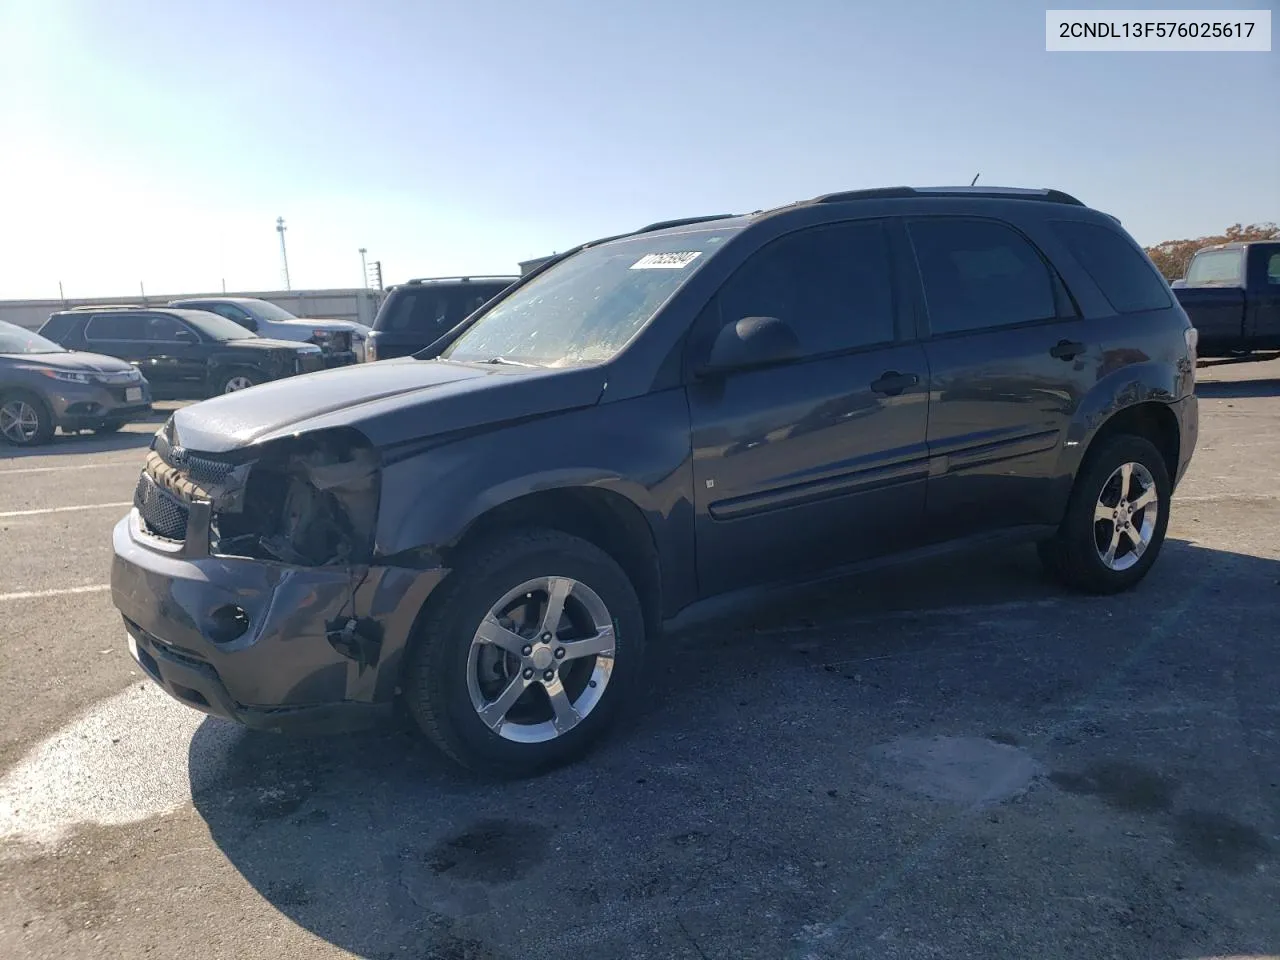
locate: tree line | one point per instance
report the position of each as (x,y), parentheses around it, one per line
(1172,256)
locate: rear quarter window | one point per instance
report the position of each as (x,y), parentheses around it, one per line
(432,310)
(1122,273)
(57,327)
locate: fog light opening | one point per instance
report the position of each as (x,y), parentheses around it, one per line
(229,622)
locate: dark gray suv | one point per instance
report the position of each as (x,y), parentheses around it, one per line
(44,386)
(492,530)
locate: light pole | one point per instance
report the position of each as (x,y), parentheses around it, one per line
(364,267)
(284,255)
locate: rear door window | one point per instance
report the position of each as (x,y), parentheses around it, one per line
(116,326)
(980,274)
(1129,283)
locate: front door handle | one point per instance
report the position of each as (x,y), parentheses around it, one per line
(893,383)
(1066,349)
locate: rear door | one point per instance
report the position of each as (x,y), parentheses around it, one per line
(1010,362)
(119,334)
(820,461)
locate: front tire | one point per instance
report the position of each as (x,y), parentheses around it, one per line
(25,419)
(235,381)
(1116,518)
(529,649)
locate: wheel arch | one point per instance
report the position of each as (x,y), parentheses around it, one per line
(604,517)
(1134,399)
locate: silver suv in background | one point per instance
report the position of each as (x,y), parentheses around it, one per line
(342,342)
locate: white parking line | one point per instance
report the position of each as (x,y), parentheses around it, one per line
(75,466)
(44,510)
(56,592)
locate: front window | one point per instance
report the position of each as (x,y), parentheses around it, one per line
(585,309)
(266,310)
(216,327)
(14,340)
(1215,266)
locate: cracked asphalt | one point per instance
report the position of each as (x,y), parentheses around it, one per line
(957,759)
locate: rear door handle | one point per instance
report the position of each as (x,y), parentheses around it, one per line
(893,383)
(1066,349)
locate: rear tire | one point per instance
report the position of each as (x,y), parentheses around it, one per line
(1116,518)
(531,700)
(25,419)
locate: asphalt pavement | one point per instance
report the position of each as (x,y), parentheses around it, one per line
(951,760)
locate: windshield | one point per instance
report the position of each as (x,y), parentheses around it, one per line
(216,327)
(585,309)
(269,311)
(14,339)
(1216,266)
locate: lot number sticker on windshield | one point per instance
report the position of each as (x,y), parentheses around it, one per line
(666,261)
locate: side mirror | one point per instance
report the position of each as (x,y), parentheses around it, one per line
(186,336)
(751,342)
(249,324)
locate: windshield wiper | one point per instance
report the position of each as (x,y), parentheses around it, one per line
(510,363)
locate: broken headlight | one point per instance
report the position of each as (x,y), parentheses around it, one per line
(310,500)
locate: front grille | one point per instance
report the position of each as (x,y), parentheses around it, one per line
(204,471)
(163,514)
(200,470)
(121,376)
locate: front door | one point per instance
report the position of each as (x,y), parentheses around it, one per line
(822,460)
(176,353)
(1010,362)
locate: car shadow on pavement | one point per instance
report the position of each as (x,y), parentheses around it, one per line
(739,815)
(1239,388)
(1261,357)
(79,444)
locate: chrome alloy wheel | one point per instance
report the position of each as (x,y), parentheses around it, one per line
(19,421)
(237,383)
(541,659)
(1124,519)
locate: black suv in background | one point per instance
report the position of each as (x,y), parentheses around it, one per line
(416,313)
(493,529)
(184,354)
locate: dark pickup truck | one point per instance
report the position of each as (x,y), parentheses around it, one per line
(1232,294)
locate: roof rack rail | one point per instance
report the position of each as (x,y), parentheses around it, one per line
(991,193)
(683,222)
(110,306)
(466,279)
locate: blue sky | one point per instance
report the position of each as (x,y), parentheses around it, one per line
(157,142)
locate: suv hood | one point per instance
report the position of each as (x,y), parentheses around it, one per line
(392,402)
(73,360)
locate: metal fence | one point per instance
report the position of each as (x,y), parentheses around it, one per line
(357,304)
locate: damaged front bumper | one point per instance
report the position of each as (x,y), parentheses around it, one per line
(296,628)
(269,645)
